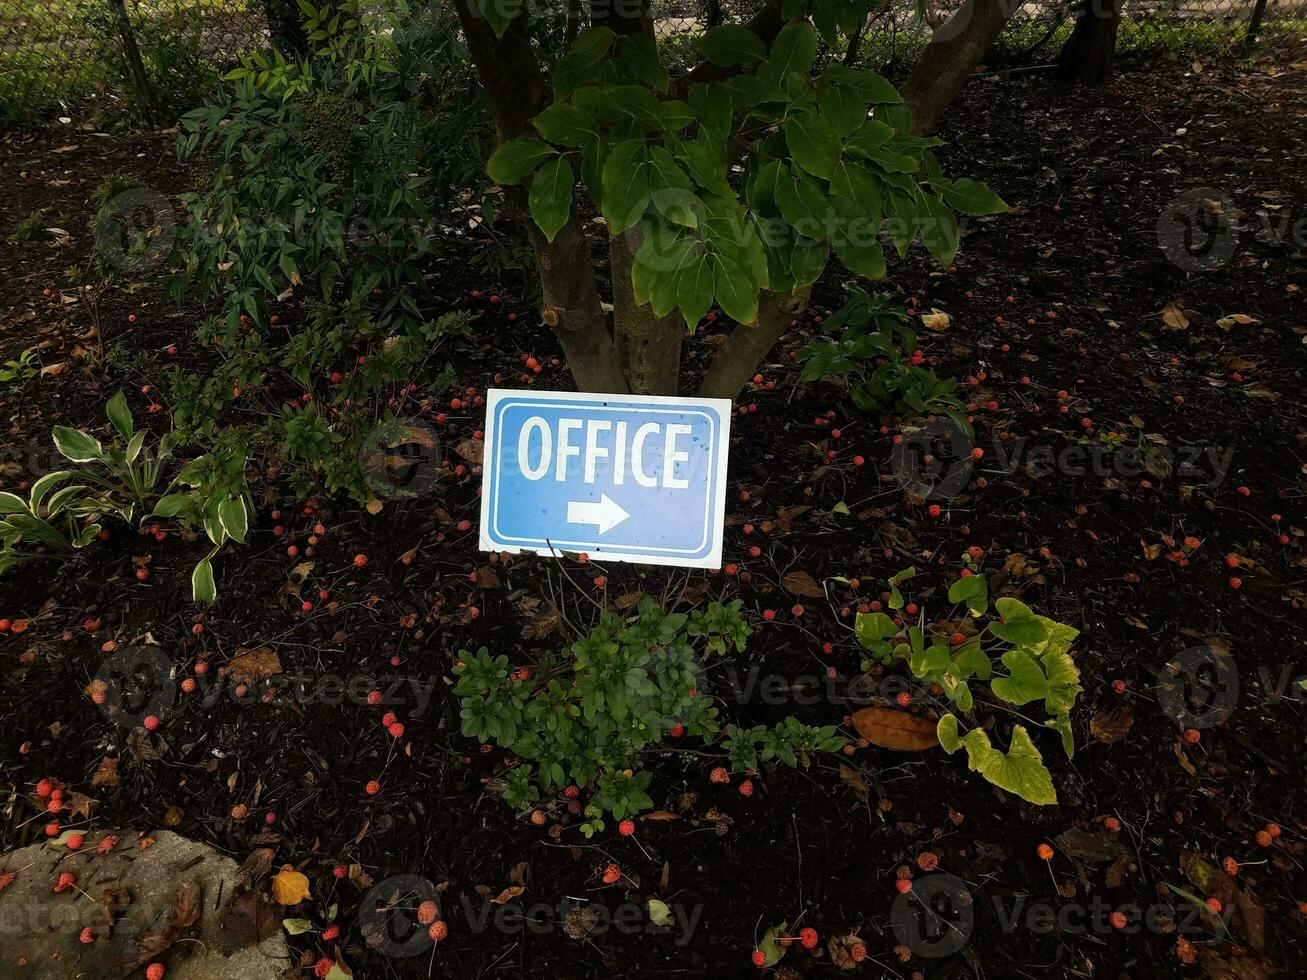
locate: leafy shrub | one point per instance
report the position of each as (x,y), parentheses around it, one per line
(869,356)
(312,224)
(1032,652)
(586,722)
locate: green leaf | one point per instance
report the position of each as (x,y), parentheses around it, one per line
(1063,681)
(38,492)
(731,45)
(171,505)
(1062,725)
(863,258)
(640,54)
(514,159)
(972,197)
(550,199)
(119,414)
(659,913)
(872,88)
(1017,623)
(842,108)
(856,184)
(1021,771)
(803,206)
(203,588)
(233,518)
(12,503)
(296,927)
(973,591)
(735,289)
(814,143)
(499,13)
(80,447)
(872,628)
(626,186)
(772,951)
(970,661)
(946,730)
(1025,683)
(939,229)
(1059,639)
(794,50)
(566,124)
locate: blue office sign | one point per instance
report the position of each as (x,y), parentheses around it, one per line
(639,478)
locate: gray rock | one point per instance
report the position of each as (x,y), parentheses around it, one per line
(177,902)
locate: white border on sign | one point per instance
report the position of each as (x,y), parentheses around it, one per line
(716,504)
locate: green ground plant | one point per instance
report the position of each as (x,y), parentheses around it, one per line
(584,718)
(1022,657)
(123,480)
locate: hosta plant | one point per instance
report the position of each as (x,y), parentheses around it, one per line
(1009,651)
(123,478)
(50,520)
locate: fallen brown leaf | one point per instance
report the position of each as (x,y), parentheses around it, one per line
(897,730)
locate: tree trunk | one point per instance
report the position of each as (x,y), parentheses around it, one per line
(286,26)
(738,358)
(136,75)
(517,91)
(1088,55)
(649,347)
(951,57)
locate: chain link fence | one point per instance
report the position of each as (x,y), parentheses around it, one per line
(74,55)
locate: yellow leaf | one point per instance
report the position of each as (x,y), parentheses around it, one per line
(936,320)
(290,887)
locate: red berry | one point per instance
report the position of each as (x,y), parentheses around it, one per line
(904,885)
(626,828)
(428,912)
(759,958)
(746,788)
(151,722)
(372,788)
(1118,920)
(720,775)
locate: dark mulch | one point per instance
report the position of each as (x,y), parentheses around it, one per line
(1088,174)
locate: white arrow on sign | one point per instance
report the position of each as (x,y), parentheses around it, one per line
(607,513)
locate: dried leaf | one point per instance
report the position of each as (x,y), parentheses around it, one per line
(508,894)
(1174,317)
(254,665)
(471,450)
(107,774)
(897,730)
(1111,726)
(290,887)
(546,624)
(801,583)
(855,782)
